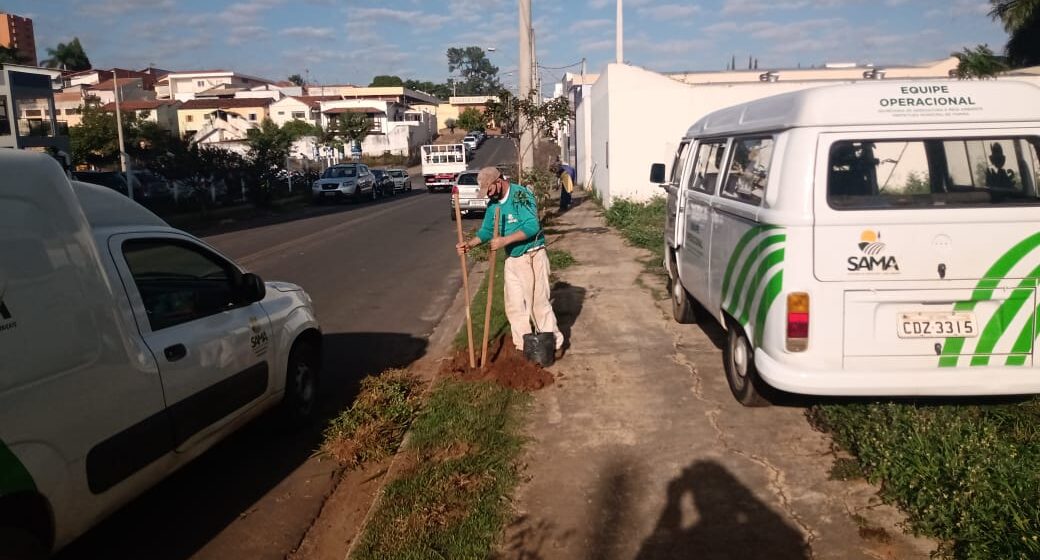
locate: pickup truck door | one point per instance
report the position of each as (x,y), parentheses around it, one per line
(211,348)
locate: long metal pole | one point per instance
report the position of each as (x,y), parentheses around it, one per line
(465,284)
(124,161)
(493,260)
(620,34)
(525,84)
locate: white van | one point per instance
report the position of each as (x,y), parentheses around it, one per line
(127,348)
(864,239)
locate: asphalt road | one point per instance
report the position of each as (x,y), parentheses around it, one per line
(381,274)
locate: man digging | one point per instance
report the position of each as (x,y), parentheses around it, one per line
(527,264)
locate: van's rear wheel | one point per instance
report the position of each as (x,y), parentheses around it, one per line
(739,359)
(684,309)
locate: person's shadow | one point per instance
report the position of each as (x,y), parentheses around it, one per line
(731,522)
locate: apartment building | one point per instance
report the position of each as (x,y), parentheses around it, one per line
(162,112)
(185,86)
(28,116)
(16,32)
(194,114)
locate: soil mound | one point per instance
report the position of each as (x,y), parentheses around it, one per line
(507,366)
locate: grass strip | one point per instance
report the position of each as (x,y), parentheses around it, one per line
(964,474)
(560,259)
(642,225)
(372,428)
(453,500)
(499,323)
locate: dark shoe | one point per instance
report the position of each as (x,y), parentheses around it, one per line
(561,351)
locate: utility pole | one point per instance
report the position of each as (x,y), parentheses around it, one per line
(124,160)
(620,38)
(525,84)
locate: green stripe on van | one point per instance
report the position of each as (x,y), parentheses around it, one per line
(738,288)
(14,477)
(771,260)
(735,256)
(984,291)
(769,295)
(1002,318)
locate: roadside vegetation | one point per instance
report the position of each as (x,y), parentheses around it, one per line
(372,428)
(965,474)
(452,499)
(642,225)
(499,323)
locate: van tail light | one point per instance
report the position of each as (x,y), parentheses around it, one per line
(797,321)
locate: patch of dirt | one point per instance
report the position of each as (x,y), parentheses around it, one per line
(507,366)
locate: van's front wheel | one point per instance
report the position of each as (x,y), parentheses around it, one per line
(739,359)
(683,307)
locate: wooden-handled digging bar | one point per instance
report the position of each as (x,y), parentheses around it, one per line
(465,283)
(490,294)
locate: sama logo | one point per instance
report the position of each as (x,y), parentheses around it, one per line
(872,259)
(6,319)
(258,340)
(5,313)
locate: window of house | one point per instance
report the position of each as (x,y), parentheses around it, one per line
(200,83)
(179,282)
(707,167)
(189,118)
(33,113)
(252,116)
(281,113)
(75,111)
(748,170)
(299,115)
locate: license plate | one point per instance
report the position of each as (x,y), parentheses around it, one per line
(937,325)
(332,193)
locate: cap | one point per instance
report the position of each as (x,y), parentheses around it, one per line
(485,177)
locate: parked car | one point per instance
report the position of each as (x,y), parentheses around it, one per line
(352,181)
(468,190)
(479,135)
(470,142)
(384,184)
(402,182)
(129,348)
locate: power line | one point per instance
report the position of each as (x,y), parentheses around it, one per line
(561,67)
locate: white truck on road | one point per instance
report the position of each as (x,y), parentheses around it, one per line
(128,347)
(441,163)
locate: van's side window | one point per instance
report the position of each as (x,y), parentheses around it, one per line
(178,282)
(707,166)
(748,170)
(678,164)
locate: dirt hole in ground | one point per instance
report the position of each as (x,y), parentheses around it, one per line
(507,366)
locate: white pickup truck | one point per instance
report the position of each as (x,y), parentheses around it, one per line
(127,348)
(441,163)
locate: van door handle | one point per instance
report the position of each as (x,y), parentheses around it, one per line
(175,352)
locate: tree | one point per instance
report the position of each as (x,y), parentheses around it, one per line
(10,55)
(471,119)
(979,62)
(386,81)
(95,141)
(1021,19)
(197,166)
(479,76)
(68,56)
(268,149)
(352,127)
(297,129)
(296,79)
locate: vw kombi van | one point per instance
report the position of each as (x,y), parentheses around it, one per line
(864,239)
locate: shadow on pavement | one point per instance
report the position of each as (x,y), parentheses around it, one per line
(176,518)
(730,522)
(567,302)
(309,211)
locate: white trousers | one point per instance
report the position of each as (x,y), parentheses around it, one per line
(527,296)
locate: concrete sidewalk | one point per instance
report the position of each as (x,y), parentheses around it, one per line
(640,451)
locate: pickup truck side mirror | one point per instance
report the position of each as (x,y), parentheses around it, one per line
(657,173)
(251,288)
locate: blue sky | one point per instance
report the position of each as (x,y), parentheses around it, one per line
(349,41)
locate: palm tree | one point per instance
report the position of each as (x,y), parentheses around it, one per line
(979,62)
(68,56)
(1021,19)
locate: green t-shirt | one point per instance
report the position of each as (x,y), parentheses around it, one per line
(518,212)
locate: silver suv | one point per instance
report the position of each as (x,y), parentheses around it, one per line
(353,181)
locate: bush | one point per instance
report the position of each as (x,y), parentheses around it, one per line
(642,224)
(966,475)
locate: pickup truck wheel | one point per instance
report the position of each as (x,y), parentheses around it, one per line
(741,375)
(19,544)
(301,384)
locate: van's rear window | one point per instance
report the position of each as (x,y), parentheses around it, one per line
(933,173)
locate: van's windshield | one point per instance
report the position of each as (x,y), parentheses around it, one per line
(933,173)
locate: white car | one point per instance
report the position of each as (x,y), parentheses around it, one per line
(402,182)
(470,142)
(468,190)
(129,348)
